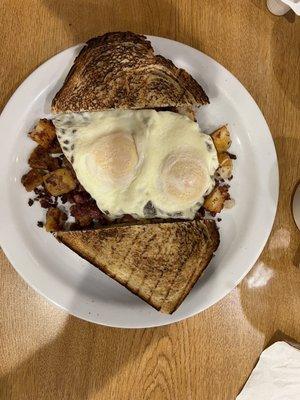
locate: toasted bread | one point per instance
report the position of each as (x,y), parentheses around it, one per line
(120,70)
(160,263)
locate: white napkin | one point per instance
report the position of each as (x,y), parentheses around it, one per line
(294,4)
(281,7)
(276,375)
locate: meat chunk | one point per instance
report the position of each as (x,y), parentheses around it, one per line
(41,159)
(214,202)
(66,163)
(55,220)
(221,139)
(200,214)
(127,218)
(43,133)
(86,213)
(226,165)
(32,179)
(59,182)
(81,197)
(54,147)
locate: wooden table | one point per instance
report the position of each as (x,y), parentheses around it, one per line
(46,354)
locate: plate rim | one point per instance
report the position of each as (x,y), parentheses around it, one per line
(9,254)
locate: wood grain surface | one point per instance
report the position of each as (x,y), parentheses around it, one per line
(46,354)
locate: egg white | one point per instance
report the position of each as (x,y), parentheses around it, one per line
(140,162)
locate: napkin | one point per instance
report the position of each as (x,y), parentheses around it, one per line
(281,7)
(276,375)
(294,4)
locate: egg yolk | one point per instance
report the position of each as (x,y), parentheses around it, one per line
(113,157)
(184,178)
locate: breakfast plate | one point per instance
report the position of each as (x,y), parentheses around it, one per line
(70,282)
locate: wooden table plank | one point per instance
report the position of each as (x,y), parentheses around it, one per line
(46,354)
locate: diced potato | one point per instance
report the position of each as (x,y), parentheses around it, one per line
(214,202)
(55,219)
(32,179)
(226,165)
(221,139)
(43,133)
(59,182)
(41,159)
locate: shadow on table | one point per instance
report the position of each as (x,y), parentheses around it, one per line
(270,293)
(78,363)
(84,19)
(282,337)
(285,54)
(262,5)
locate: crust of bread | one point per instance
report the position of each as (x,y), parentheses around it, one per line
(120,70)
(159,262)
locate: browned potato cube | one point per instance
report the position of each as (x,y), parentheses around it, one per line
(41,159)
(214,202)
(59,182)
(32,179)
(55,219)
(43,133)
(226,165)
(221,139)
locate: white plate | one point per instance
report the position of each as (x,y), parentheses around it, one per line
(70,282)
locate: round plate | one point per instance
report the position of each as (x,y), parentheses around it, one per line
(70,282)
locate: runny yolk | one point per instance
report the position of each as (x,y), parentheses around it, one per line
(184,178)
(114,156)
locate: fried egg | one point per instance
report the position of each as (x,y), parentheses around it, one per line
(140,162)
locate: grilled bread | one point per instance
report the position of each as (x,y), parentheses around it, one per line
(158,262)
(120,70)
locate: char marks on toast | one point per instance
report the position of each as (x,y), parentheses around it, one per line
(158,262)
(120,70)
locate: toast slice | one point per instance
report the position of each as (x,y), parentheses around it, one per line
(158,262)
(120,70)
